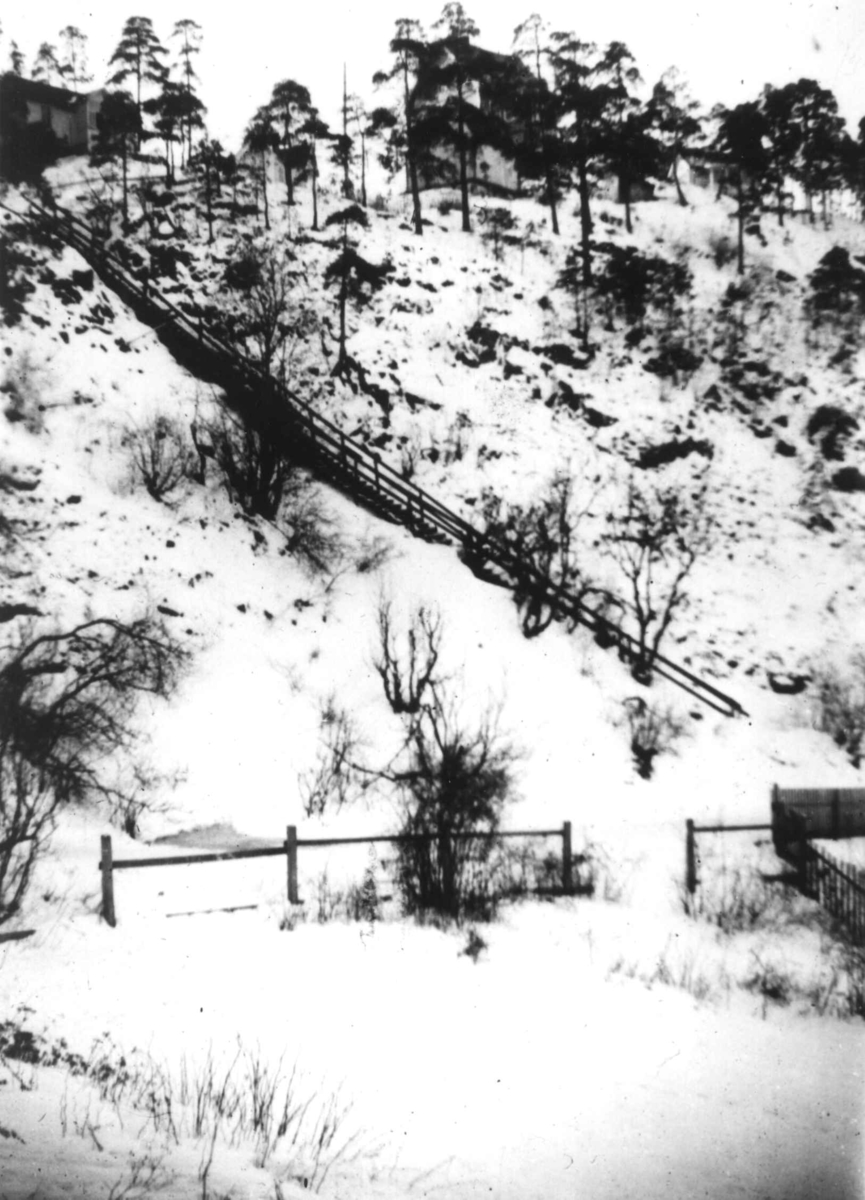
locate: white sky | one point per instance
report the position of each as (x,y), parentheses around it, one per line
(727,48)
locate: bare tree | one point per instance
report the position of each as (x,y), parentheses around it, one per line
(656,542)
(67,701)
(454,786)
(408,675)
(544,544)
(161,456)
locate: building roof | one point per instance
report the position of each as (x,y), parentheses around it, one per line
(39,92)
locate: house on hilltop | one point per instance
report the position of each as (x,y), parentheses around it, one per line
(33,105)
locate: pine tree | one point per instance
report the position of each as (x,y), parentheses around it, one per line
(740,141)
(16,59)
(46,65)
(311,132)
(462,95)
(261,139)
(818,166)
(355,276)
(343,144)
(583,102)
(408,48)
(170,111)
(541,154)
(290,105)
(676,124)
(785,139)
(357,117)
(627,144)
(189,33)
(448,67)
(73,65)
(207,163)
(138,54)
(119,131)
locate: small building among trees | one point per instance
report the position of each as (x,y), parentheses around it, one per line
(33,110)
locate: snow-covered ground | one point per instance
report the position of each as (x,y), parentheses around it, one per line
(606,1047)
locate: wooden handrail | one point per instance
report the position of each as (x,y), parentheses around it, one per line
(407,502)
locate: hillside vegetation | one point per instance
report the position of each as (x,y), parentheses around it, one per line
(720,411)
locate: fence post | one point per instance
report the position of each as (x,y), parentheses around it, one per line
(567,860)
(291,855)
(690,857)
(802,854)
(106,867)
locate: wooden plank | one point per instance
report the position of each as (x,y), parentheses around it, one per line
(180,860)
(732,828)
(16,935)
(106,866)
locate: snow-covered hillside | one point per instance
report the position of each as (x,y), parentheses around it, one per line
(607,1046)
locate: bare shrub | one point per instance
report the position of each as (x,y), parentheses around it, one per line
(498,225)
(735,898)
(252,462)
(455,784)
(656,542)
(333,781)
(160,455)
(68,701)
(311,533)
(652,730)
(840,705)
(544,550)
(408,674)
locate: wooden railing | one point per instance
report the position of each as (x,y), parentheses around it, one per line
(288,849)
(363,475)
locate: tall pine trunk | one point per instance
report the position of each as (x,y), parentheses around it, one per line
(314,188)
(740,215)
(363,170)
(411,158)
(264,188)
(585,214)
(464,174)
(680,195)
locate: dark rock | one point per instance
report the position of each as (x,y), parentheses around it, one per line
(167,612)
(785,449)
(831,427)
(671,361)
(9,611)
(787,683)
(73,499)
(564,356)
(819,521)
(83,279)
(597,419)
(848,479)
(785,277)
(667,452)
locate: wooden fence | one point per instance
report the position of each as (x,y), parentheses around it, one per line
(108,864)
(800,815)
(823,813)
(837,887)
(691,856)
(348,465)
